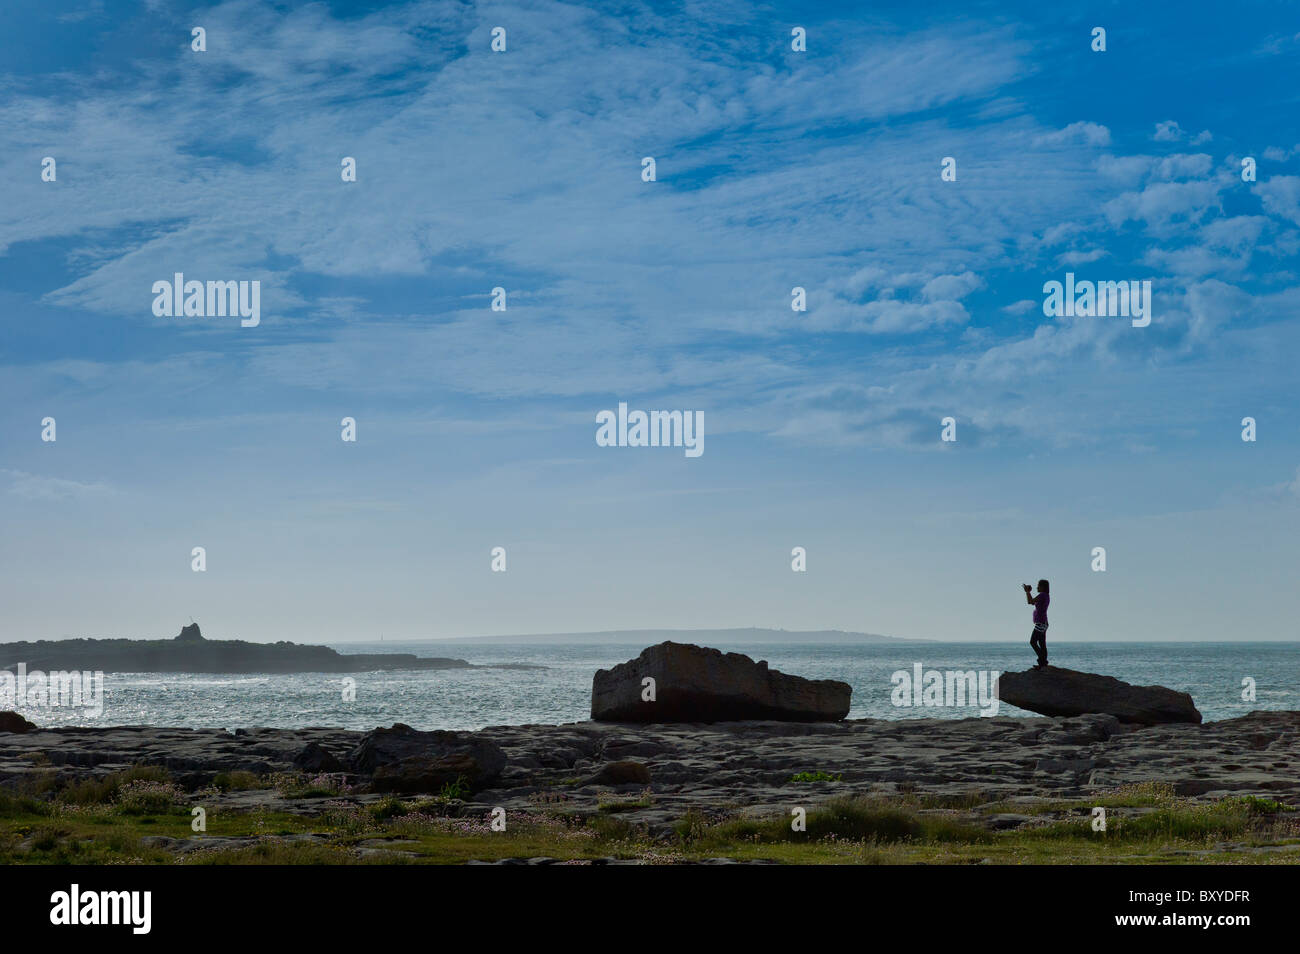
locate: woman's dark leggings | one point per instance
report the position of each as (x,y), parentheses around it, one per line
(1038,640)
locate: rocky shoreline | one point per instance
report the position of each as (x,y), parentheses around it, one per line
(686,739)
(714,769)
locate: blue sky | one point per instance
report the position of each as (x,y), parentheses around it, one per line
(522,170)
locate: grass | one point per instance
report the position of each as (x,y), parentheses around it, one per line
(118,820)
(238,781)
(842,819)
(296,785)
(107,789)
(611,804)
(818,776)
(454,790)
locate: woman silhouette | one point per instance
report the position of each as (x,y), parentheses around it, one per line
(1038,638)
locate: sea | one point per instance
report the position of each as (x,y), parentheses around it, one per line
(1221,677)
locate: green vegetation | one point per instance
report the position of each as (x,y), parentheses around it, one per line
(304,786)
(611,804)
(140,816)
(107,789)
(237,781)
(390,807)
(456,789)
(818,776)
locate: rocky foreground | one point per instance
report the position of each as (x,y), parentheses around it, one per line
(714,769)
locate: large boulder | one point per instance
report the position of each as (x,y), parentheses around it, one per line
(1065,692)
(695,684)
(13,722)
(625,772)
(314,757)
(405,760)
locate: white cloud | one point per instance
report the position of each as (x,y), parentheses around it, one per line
(39,487)
(1081,257)
(1161,203)
(951,287)
(1168,131)
(1082,133)
(1281,196)
(1182,166)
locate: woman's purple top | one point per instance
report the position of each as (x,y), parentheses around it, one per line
(1040,608)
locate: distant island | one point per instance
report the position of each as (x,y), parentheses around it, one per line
(191,652)
(702,637)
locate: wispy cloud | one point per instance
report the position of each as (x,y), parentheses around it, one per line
(41,487)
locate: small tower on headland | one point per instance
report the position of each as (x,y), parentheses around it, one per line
(190,634)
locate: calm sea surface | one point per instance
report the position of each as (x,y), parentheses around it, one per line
(472,699)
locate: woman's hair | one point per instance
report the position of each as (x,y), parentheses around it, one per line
(1044,586)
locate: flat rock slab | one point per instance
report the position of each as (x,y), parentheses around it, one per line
(1065,692)
(696,684)
(402,759)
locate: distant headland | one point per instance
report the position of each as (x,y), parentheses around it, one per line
(191,652)
(706,637)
